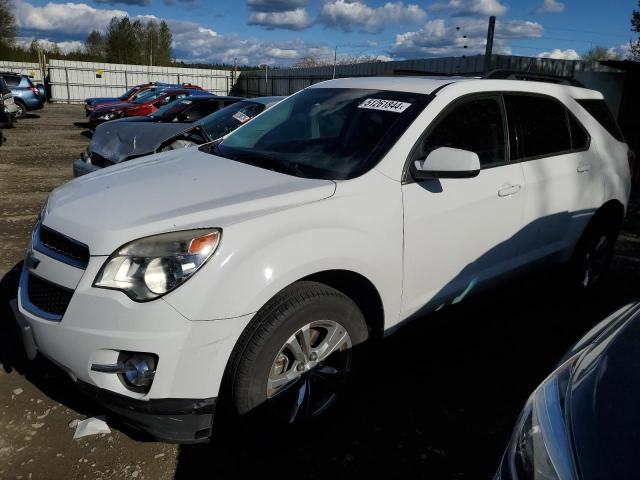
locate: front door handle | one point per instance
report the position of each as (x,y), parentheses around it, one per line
(508,190)
(584,167)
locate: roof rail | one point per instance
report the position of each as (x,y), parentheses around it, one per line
(503,74)
(423,73)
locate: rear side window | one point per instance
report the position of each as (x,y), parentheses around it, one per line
(538,125)
(599,110)
(12,80)
(475,126)
(579,137)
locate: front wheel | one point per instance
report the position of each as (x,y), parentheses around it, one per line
(295,361)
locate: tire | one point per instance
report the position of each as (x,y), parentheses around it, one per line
(273,378)
(592,257)
(22,110)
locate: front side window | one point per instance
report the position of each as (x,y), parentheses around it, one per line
(476,126)
(330,133)
(201,110)
(538,125)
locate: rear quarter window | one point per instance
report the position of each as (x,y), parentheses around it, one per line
(12,80)
(598,109)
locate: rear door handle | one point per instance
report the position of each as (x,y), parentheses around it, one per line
(584,167)
(509,190)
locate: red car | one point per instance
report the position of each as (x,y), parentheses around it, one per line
(133,93)
(145,104)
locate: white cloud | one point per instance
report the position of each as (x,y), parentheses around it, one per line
(621,51)
(64,47)
(290,20)
(275,5)
(568,54)
(67,18)
(355,15)
(549,6)
(194,43)
(441,38)
(471,7)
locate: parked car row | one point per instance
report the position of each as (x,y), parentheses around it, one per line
(18,95)
(253,264)
(186,118)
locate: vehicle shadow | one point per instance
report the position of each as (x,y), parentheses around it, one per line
(84,125)
(31,115)
(437,399)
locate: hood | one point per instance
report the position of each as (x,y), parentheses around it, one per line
(118,141)
(175,190)
(96,101)
(110,107)
(605,387)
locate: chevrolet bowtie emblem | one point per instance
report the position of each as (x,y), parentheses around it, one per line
(31,261)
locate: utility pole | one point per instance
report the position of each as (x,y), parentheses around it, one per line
(335,60)
(489,51)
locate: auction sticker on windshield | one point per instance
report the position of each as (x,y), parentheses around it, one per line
(241,117)
(384,105)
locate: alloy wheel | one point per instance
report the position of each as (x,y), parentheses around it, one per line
(309,371)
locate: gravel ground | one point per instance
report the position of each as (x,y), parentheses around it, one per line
(437,400)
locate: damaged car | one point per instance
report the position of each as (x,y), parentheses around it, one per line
(119,141)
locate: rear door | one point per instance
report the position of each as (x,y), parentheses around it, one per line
(561,171)
(461,232)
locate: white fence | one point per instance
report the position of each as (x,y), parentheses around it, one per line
(23,68)
(72,82)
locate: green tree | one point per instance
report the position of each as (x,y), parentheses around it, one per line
(121,41)
(95,46)
(635,27)
(598,53)
(152,38)
(164,54)
(7,23)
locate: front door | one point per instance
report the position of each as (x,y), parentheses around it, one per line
(460,232)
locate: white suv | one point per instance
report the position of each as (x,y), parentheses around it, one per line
(251,268)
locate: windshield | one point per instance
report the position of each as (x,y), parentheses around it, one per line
(147,96)
(170,110)
(128,93)
(227,119)
(330,133)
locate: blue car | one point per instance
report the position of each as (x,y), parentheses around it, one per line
(26,95)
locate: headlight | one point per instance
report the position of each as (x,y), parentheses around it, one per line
(540,446)
(109,116)
(148,268)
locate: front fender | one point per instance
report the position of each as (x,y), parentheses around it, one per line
(360,232)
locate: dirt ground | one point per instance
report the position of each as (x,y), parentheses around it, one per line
(437,400)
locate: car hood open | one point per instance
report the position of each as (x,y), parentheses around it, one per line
(119,141)
(171,191)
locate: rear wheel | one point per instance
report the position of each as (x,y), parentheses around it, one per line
(295,361)
(22,110)
(592,258)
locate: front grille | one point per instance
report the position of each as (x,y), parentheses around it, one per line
(48,297)
(100,161)
(76,252)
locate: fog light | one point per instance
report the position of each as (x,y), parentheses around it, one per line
(139,370)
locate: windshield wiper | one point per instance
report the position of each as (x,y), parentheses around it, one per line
(264,161)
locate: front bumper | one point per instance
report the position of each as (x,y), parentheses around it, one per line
(174,420)
(99,324)
(82,167)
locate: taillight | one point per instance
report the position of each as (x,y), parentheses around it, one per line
(34,90)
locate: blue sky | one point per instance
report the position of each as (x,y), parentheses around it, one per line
(280,32)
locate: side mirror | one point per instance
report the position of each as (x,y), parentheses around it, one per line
(445,162)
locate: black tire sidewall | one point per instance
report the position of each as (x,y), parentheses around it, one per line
(249,390)
(595,230)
